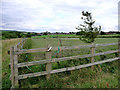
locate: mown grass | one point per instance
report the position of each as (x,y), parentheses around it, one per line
(56,36)
(40,43)
(6,44)
(109,36)
(73,36)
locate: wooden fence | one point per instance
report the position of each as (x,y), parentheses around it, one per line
(15,51)
(14,62)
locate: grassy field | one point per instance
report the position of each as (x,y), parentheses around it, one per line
(74,36)
(83,78)
(40,43)
(6,44)
(57,36)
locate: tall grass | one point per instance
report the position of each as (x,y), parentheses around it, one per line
(25,57)
(6,45)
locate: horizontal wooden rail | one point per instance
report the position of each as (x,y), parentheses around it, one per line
(62,48)
(19,43)
(64,69)
(63,59)
(30,50)
(105,44)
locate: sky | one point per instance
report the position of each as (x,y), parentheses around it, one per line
(56,15)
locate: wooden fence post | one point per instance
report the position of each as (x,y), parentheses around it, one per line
(119,61)
(48,65)
(22,44)
(92,53)
(119,50)
(15,67)
(12,67)
(18,46)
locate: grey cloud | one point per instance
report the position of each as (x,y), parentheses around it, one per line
(15,15)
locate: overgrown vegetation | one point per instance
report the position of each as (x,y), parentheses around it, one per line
(26,57)
(6,45)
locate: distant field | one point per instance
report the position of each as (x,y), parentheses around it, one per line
(55,42)
(57,36)
(74,36)
(109,36)
(40,43)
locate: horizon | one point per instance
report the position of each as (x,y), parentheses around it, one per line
(57,16)
(51,32)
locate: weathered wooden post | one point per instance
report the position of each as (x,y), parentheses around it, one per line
(15,66)
(12,67)
(22,44)
(48,56)
(18,45)
(92,53)
(119,50)
(119,60)
(24,41)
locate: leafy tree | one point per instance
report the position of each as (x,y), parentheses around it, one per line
(45,33)
(79,33)
(102,33)
(35,34)
(28,34)
(88,30)
(18,34)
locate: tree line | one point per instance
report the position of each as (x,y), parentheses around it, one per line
(16,34)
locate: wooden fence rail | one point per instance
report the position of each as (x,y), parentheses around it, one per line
(62,48)
(62,59)
(16,50)
(64,69)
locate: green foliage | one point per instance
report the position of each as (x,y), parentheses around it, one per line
(28,34)
(9,34)
(15,34)
(28,44)
(102,33)
(45,33)
(26,57)
(6,44)
(88,31)
(51,83)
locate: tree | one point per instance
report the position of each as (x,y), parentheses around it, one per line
(28,34)
(88,30)
(79,33)
(45,33)
(102,33)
